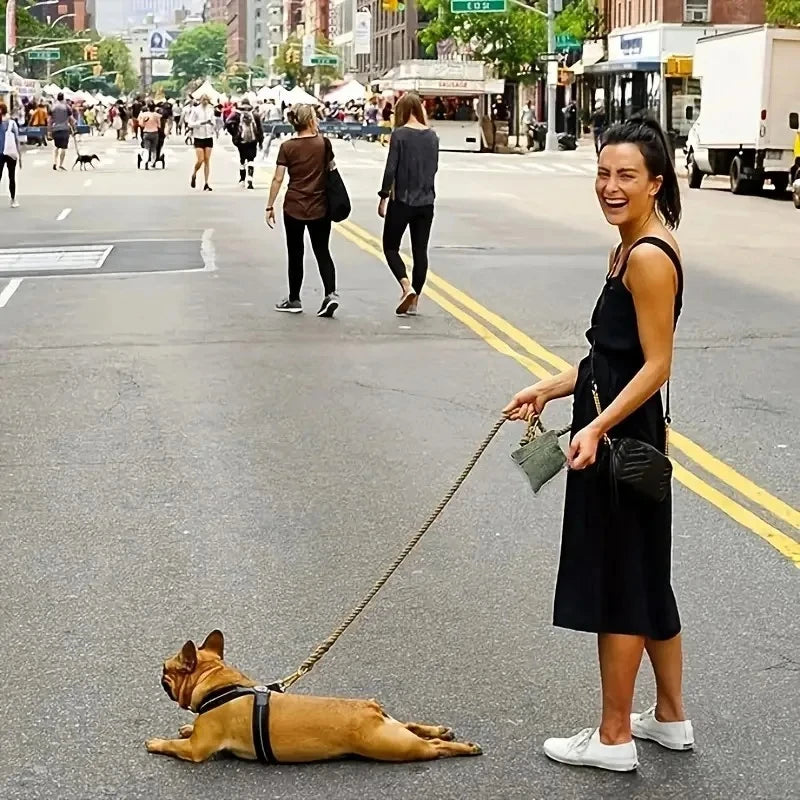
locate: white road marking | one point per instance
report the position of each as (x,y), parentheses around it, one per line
(87,182)
(64,214)
(40,162)
(9,290)
(207,251)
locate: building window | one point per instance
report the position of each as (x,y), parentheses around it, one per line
(258,44)
(258,13)
(696,10)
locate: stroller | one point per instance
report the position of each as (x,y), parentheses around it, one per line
(143,155)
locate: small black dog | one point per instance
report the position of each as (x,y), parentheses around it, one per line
(84,160)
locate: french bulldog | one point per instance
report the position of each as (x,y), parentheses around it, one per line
(300,728)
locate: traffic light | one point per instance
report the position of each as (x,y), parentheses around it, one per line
(390,6)
(90,52)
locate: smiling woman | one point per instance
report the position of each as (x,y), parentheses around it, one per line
(614,575)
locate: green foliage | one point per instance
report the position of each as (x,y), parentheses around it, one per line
(511,42)
(292,68)
(115,56)
(783,12)
(199,52)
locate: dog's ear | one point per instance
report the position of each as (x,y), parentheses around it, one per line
(215,643)
(188,656)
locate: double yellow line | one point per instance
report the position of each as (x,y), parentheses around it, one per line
(543,363)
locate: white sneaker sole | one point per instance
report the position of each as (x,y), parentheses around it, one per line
(595,764)
(663,742)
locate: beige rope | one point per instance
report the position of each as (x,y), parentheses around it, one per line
(309,663)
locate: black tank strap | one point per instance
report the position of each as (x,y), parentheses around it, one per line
(661,245)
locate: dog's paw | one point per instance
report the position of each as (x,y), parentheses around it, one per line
(185,731)
(476,749)
(447,735)
(153,745)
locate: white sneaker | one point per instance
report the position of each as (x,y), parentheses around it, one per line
(673,735)
(14,204)
(586,750)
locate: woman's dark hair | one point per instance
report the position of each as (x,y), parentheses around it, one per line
(151,106)
(3,109)
(649,137)
(409,105)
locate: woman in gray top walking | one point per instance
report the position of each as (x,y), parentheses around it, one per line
(407,196)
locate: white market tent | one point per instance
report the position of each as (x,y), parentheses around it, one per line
(276,93)
(51,89)
(349,91)
(207,89)
(300,95)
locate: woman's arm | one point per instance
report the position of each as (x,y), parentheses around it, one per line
(651,280)
(390,171)
(274,188)
(533,399)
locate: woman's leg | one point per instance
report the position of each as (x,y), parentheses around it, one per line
(420,228)
(11,163)
(206,164)
(620,657)
(394,226)
(295,230)
(667,660)
(320,232)
(199,156)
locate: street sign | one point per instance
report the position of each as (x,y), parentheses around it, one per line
(321,60)
(44,55)
(478,6)
(564,41)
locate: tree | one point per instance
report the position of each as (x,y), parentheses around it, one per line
(115,57)
(783,12)
(512,41)
(289,63)
(199,52)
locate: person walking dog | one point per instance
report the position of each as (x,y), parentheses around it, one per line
(306,157)
(614,575)
(407,196)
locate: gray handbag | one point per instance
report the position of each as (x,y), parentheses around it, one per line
(540,455)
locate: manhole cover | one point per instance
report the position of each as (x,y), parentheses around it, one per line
(54,259)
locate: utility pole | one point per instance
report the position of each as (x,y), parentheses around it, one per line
(551,142)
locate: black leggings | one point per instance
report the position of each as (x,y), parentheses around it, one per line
(11,163)
(419,219)
(247,156)
(320,232)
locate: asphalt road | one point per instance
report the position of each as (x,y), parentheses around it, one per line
(176,457)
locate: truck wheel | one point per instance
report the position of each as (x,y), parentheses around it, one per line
(780,183)
(796,199)
(693,174)
(739,184)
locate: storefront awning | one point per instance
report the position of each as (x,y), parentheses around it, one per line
(592,53)
(632,65)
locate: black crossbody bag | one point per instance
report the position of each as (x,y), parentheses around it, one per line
(633,463)
(335,191)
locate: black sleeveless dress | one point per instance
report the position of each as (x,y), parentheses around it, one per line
(614,574)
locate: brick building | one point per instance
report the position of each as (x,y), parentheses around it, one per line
(236,20)
(216,11)
(71,14)
(635,70)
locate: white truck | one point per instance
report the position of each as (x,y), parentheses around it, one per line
(749,106)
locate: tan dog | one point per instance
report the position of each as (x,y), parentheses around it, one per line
(299,728)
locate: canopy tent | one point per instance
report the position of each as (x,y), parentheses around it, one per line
(51,89)
(275,93)
(4,88)
(300,95)
(208,90)
(350,91)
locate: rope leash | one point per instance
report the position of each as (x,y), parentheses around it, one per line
(323,648)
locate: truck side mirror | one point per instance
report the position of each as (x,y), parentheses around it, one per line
(794,122)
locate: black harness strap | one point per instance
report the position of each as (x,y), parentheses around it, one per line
(260,695)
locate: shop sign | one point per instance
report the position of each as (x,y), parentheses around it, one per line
(645,45)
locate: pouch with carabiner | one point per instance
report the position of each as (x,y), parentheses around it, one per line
(540,455)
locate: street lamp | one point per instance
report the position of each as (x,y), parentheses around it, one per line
(58,19)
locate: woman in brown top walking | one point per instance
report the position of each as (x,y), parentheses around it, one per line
(307,157)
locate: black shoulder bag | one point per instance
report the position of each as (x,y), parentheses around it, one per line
(335,191)
(634,463)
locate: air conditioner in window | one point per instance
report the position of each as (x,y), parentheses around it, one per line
(697,13)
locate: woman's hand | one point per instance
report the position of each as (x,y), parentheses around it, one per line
(583,447)
(384,202)
(527,403)
(270,217)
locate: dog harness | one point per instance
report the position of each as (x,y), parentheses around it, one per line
(260,695)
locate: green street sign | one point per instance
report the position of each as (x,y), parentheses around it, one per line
(324,61)
(44,55)
(478,6)
(564,41)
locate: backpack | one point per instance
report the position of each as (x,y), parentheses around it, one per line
(247,128)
